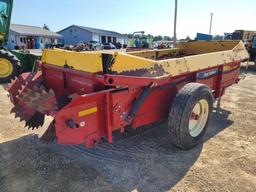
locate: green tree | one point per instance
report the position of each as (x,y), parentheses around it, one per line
(158,38)
(150,36)
(129,35)
(46,27)
(167,38)
(218,37)
(188,38)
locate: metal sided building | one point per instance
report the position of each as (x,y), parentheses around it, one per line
(75,34)
(30,37)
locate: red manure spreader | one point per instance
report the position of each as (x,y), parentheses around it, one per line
(90,95)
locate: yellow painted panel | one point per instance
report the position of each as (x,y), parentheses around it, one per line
(227,68)
(158,53)
(125,62)
(193,63)
(84,61)
(87,111)
(192,56)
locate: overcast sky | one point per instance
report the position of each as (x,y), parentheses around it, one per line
(126,16)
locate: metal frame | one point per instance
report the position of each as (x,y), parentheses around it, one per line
(128,100)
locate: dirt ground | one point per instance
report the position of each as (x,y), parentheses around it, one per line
(138,161)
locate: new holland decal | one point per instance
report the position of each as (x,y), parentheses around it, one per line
(206,74)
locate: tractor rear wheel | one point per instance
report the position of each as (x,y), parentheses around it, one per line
(190,114)
(9,66)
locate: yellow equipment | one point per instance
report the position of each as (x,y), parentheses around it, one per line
(186,57)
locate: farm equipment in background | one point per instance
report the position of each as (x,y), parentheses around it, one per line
(12,63)
(243,35)
(248,37)
(162,44)
(90,95)
(84,46)
(78,47)
(139,42)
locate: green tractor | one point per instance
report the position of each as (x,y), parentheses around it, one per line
(12,63)
(138,42)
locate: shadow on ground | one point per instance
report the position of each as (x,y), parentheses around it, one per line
(144,160)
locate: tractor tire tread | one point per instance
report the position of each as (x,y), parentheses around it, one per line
(15,63)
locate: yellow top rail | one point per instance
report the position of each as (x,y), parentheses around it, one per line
(186,57)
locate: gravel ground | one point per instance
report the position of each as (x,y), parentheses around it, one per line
(142,160)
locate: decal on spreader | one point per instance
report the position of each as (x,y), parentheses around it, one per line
(206,74)
(87,111)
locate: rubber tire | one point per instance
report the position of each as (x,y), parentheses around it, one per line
(182,106)
(15,64)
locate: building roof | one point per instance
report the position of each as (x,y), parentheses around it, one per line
(33,31)
(94,30)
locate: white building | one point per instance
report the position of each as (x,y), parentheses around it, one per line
(30,37)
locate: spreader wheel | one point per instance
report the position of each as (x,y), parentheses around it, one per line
(189,115)
(9,66)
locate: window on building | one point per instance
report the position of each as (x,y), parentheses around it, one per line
(109,39)
(23,40)
(103,39)
(114,39)
(71,31)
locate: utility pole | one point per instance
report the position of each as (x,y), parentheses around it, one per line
(210,31)
(175,23)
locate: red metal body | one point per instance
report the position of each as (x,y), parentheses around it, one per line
(103,103)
